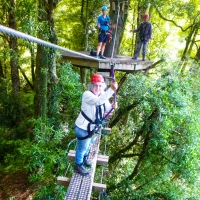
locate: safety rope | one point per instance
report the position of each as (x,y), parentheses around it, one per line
(115,94)
(18,34)
(103,195)
(114,40)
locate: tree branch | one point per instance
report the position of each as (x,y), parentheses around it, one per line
(153,65)
(172,21)
(119,154)
(121,112)
(26,78)
(167,158)
(122,80)
(152,117)
(146,141)
(130,155)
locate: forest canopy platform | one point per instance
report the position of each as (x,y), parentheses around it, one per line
(122,63)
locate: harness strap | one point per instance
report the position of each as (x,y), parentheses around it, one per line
(86,117)
(96,123)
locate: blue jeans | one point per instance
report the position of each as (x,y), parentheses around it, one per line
(83,146)
(143,45)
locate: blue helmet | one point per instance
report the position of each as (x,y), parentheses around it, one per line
(104,8)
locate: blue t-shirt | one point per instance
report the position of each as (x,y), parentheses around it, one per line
(104,22)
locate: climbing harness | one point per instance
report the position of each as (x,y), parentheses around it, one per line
(93,126)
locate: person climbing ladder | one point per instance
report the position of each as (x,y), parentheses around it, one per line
(95,102)
(145,32)
(103,24)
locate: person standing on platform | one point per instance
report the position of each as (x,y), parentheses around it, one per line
(145,33)
(103,23)
(95,101)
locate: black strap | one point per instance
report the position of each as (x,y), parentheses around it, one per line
(99,117)
(86,117)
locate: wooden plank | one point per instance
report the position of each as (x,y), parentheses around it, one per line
(98,187)
(63,181)
(81,62)
(122,63)
(108,130)
(101,159)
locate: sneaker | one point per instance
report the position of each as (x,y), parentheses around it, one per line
(86,162)
(81,170)
(97,56)
(134,58)
(102,57)
(143,59)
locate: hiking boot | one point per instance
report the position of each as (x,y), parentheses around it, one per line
(143,59)
(102,57)
(134,58)
(81,170)
(86,162)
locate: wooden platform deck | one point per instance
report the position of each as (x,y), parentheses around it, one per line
(122,63)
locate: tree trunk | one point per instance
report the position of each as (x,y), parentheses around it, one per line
(111,47)
(198,54)
(193,38)
(188,41)
(41,64)
(40,86)
(84,20)
(46,100)
(13,47)
(1,71)
(53,79)
(31,48)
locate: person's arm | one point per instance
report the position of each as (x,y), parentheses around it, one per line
(108,21)
(92,99)
(98,22)
(136,30)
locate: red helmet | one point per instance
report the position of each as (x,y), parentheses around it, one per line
(146,15)
(97,78)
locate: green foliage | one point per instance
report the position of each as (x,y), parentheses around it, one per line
(74,20)
(46,157)
(38,145)
(70,92)
(166,153)
(162,108)
(13,107)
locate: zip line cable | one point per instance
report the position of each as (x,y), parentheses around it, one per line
(18,34)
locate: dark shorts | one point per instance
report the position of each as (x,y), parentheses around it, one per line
(102,37)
